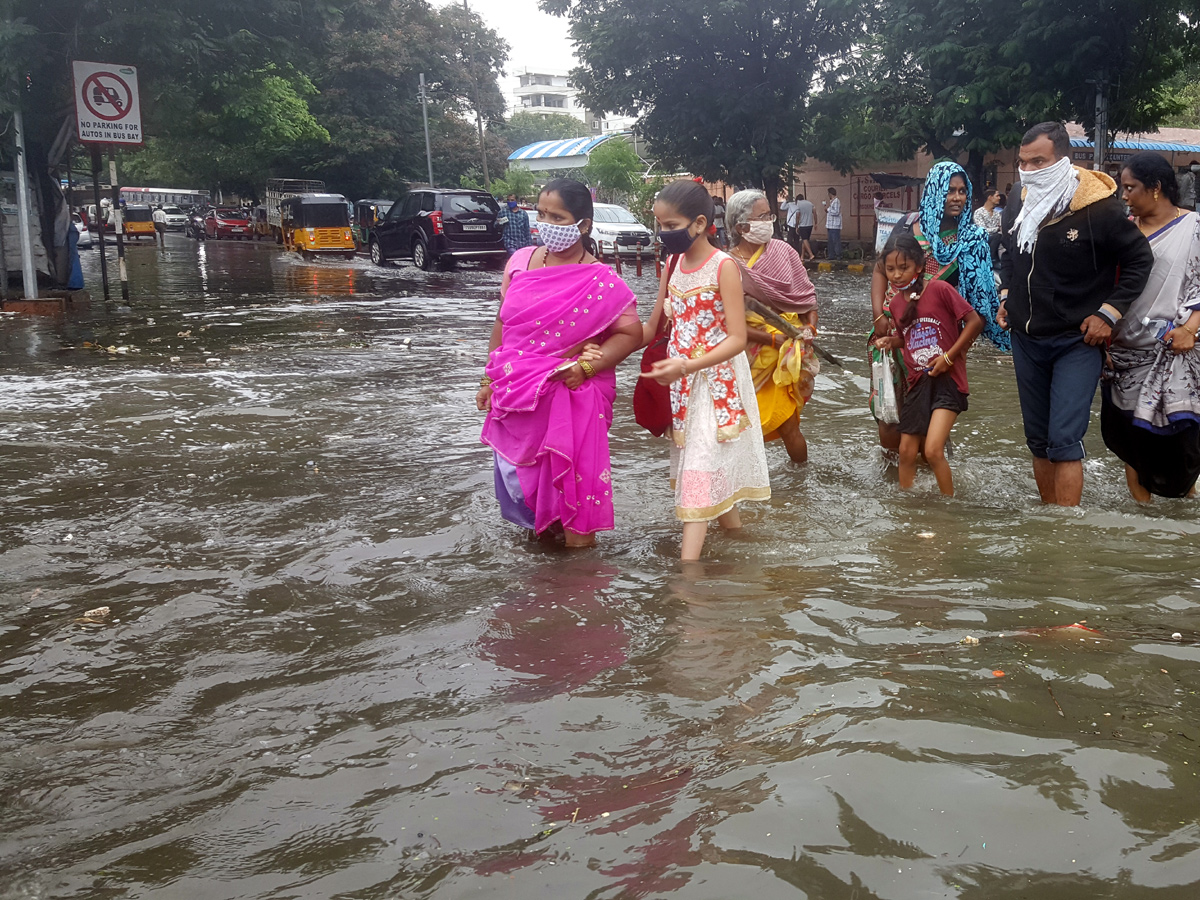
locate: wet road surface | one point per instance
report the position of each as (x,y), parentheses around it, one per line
(329,670)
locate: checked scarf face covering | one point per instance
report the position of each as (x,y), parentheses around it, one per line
(1049,193)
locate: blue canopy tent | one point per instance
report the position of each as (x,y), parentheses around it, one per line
(571,153)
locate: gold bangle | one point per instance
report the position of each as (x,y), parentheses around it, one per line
(485,382)
(588,370)
(946,357)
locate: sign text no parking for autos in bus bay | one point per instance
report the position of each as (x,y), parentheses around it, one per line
(107,110)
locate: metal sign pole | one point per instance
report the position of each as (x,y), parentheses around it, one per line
(118,224)
(99,218)
(425,117)
(28,267)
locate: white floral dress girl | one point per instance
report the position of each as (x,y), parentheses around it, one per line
(717,454)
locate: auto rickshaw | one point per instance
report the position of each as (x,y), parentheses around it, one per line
(317,224)
(368,214)
(139,221)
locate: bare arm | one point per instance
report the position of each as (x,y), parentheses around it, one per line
(972,328)
(483,398)
(650,328)
(880,322)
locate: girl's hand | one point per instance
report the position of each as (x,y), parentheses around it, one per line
(666,371)
(888,342)
(573,377)
(1181,340)
(483,400)
(591,353)
(939,367)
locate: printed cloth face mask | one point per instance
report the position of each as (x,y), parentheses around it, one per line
(558,238)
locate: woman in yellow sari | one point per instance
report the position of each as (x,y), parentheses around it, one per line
(772,274)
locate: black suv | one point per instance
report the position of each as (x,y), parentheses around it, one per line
(435,226)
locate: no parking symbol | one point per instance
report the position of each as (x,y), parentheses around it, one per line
(107,109)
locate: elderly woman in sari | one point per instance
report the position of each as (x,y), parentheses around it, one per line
(773,276)
(1150,412)
(548,410)
(956,252)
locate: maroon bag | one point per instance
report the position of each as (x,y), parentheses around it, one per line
(651,400)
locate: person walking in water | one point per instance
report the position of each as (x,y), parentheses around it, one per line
(1073,264)
(548,408)
(516,229)
(805,220)
(160,225)
(717,454)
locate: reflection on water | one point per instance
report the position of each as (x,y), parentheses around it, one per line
(330,670)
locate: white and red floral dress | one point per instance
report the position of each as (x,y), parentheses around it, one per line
(717,455)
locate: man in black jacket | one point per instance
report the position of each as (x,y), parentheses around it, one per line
(1073,265)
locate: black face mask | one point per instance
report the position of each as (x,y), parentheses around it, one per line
(677,241)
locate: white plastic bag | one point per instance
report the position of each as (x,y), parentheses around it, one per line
(883,388)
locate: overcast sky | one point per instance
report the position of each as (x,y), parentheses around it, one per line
(538,41)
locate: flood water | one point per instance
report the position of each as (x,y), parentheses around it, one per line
(330,670)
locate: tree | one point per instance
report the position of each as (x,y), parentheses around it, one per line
(719,88)
(962,78)
(524,128)
(613,169)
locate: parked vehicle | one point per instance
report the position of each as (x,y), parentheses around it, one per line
(139,221)
(232,224)
(278,190)
(176,218)
(367,215)
(617,229)
(317,224)
(259,224)
(437,226)
(86,239)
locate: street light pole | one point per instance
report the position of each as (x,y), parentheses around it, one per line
(28,267)
(425,118)
(487,182)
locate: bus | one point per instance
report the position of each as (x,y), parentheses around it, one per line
(153,196)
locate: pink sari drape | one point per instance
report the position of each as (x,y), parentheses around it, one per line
(553,440)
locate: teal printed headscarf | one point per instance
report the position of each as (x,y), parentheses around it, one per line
(970,250)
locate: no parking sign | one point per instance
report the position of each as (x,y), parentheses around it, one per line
(107,109)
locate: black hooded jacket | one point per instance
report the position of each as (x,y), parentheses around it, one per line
(1092,257)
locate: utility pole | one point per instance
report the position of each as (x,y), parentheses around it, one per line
(28,268)
(1101,136)
(425,116)
(487,182)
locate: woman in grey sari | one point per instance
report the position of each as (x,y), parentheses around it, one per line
(1150,416)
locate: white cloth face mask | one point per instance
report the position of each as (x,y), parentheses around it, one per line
(558,238)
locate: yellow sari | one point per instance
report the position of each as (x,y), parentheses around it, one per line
(783,375)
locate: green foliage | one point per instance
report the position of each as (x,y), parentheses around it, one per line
(517,180)
(961,78)
(719,88)
(642,203)
(524,128)
(234,92)
(613,169)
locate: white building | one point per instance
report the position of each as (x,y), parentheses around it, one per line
(549,92)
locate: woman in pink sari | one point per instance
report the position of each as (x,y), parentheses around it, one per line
(548,411)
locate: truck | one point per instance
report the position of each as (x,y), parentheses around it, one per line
(279,189)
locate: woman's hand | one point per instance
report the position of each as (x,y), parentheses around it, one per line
(483,400)
(1181,340)
(573,377)
(666,371)
(888,342)
(591,352)
(939,367)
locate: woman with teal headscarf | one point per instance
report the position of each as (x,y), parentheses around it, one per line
(957,252)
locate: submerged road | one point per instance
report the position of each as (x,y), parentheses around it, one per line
(328,669)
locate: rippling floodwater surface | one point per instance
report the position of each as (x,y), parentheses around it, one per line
(330,670)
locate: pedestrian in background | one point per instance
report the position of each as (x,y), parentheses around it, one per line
(833,225)
(1187,186)
(805,220)
(988,218)
(516,229)
(1074,265)
(160,225)
(719,221)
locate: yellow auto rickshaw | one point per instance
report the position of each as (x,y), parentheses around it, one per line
(139,221)
(316,224)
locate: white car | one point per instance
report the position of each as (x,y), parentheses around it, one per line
(86,242)
(615,226)
(176,218)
